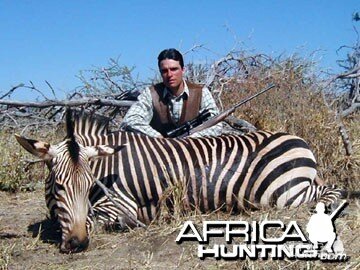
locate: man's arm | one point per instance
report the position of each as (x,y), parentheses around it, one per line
(140,114)
(208,102)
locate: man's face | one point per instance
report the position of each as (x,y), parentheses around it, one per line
(172,74)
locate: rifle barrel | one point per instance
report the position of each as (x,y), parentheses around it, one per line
(218,118)
(337,210)
(272,85)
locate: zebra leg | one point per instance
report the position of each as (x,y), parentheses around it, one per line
(311,193)
(148,213)
(112,216)
(327,194)
(115,208)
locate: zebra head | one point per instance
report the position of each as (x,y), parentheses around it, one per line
(70,182)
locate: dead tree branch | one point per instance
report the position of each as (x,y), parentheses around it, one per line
(8,93)
(355,100)
(339,112)
(68,103)
(345,137)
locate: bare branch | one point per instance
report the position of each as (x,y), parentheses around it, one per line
(345,137)
(111,81)
(69,103)
(32,87)
(350,110)
(8,93)
(194,48)
(51,88)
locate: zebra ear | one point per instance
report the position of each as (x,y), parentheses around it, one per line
(103,150)
(40,149)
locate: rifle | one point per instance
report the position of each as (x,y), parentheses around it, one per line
(185,128)
(201,122)
(337,210)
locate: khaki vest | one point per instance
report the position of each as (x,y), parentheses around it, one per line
(161,120)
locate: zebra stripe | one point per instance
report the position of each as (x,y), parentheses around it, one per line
(235,172)
(230,172)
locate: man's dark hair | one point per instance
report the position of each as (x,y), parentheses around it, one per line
(172,54)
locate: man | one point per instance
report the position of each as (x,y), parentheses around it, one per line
(167,105)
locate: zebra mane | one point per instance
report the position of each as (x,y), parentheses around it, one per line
(72,145)
(86,123)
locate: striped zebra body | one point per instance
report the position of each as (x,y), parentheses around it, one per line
(231,172)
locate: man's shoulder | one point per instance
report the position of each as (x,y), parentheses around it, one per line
(195,86)
(157,86)
(157,90)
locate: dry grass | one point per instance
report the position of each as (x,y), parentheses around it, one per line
(16,173)
(150,248)
(294,107)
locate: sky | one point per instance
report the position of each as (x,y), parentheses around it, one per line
(54,40)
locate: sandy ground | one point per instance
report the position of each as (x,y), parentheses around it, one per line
(29,241)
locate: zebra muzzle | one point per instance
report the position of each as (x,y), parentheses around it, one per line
(74,245)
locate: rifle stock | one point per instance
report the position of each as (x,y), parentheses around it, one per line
(220,117)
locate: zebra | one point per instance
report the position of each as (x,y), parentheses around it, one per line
(120,177)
